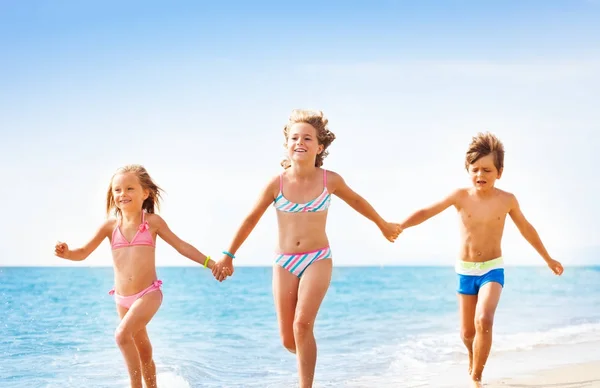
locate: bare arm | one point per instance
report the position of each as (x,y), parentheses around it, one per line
(426,213)
(362,206)
(182,247)
(353,199)
(266,198)
(527,230)
(224,267)
(62,250)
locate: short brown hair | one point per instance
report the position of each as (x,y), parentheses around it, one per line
(482,145)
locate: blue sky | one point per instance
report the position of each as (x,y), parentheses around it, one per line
(199,93)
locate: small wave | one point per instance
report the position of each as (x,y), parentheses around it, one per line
(567,335)
(448,347)
(441,358)
(171,380)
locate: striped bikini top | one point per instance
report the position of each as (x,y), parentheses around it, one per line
(319,204)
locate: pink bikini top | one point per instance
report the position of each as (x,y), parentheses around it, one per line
(141,237)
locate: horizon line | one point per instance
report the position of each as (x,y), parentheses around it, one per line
(589,265)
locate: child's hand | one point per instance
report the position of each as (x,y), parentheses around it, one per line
(556,267)
(223,268)
(210,264)
(391,231)
(61,250)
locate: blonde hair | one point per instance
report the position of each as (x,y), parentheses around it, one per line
(482,145)
(153,200)
(319,122)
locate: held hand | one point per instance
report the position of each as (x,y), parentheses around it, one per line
(391,231)
(61,250)
(210,263)
(223,268)
(556,267)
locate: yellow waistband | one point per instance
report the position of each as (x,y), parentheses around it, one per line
(494,263)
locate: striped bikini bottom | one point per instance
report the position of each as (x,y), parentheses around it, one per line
(297,263)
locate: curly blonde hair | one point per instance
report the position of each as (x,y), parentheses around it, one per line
(319,122)
(150,203)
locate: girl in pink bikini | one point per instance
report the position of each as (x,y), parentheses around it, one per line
(133,196)
(301,196)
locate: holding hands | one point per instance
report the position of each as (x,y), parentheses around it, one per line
(224,267)
(390,230)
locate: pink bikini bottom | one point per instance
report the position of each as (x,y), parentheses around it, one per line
(127,301)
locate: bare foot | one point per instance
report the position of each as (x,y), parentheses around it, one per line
(476,384)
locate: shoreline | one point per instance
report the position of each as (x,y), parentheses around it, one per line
(576,375)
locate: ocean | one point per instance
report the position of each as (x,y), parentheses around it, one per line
(378,327)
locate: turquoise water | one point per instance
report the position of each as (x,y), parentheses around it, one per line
(396,324)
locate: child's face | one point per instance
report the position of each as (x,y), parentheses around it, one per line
(128,193)
(302,144)
(484,173)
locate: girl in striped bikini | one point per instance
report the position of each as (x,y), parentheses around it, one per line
(302,271)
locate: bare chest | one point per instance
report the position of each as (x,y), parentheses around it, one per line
(483,214)
(302,193)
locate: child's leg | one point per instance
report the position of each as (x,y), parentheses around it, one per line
(489,296)
(467,305)
(285,294)
(311,291)
(134,320)
(144,348)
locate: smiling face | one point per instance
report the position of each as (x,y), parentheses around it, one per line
(483,173)
(302,143)
(128,193)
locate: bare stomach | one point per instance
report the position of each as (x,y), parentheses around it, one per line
(134,270)
(472,252)
(301,232)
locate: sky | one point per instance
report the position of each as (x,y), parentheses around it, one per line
(199,92)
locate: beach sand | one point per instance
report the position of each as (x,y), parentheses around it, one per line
(584,375)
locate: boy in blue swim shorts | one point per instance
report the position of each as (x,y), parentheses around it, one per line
(482,209)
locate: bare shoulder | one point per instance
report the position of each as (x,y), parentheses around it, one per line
(270,191)
(155,220)
(461,192)
(107,227)
(458,196)
(109,224)
(506,197)
(335,181)
(273,185)
(274,180)
(455,198)
(504,193)
(333,177)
